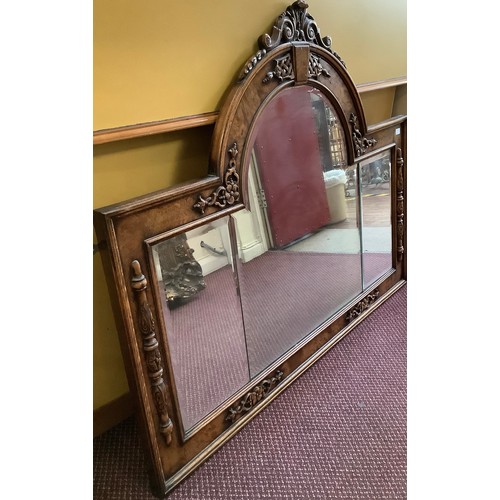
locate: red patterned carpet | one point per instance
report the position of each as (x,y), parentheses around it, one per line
(338,432)
(284,296)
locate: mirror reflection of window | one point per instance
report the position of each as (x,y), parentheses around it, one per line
(376,210)
(330,134)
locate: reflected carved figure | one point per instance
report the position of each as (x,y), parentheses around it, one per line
(181,274)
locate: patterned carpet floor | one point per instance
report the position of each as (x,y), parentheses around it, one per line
(338,432)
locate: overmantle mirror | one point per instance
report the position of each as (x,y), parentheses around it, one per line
(227,288)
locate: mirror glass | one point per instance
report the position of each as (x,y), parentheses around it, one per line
(239,292)
(299,244)
(202,316)
(375,175)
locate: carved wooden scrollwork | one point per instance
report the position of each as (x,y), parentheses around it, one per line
(361,144)
(400,203)
(251,398)
(315,68)
(151,352)
(293,25)
(362,305)
(283,70)
(229,192)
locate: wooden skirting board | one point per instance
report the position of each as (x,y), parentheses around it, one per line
(112,413)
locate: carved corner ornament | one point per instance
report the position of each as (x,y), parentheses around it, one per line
(229,192)
(315,68)
(251,398)
(400,203)
(362,305)
(293,25)
(361,144)
(151,352)
(283,70)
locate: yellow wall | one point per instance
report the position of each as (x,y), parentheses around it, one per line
(150,57)
(378,105)
(161,59)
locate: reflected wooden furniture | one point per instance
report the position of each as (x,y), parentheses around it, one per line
(293,55)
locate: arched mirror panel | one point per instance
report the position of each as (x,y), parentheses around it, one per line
(298,205)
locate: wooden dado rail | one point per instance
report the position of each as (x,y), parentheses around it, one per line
(185,122)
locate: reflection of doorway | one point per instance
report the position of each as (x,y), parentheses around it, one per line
(260,202)
(296,203)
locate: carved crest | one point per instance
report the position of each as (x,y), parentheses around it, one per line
(229,192)
(293,25)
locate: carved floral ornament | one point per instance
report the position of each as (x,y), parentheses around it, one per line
(229,192)
(251,398)
(362,305)
(293,25)
(283,70)
(361,143)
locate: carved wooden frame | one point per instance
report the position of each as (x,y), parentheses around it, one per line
(294,54)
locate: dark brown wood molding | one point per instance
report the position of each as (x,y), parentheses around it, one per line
(251,398)
(112,413)
(151,351)
(185,122)
(400,203)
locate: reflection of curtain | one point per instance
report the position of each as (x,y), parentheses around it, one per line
(290,169)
